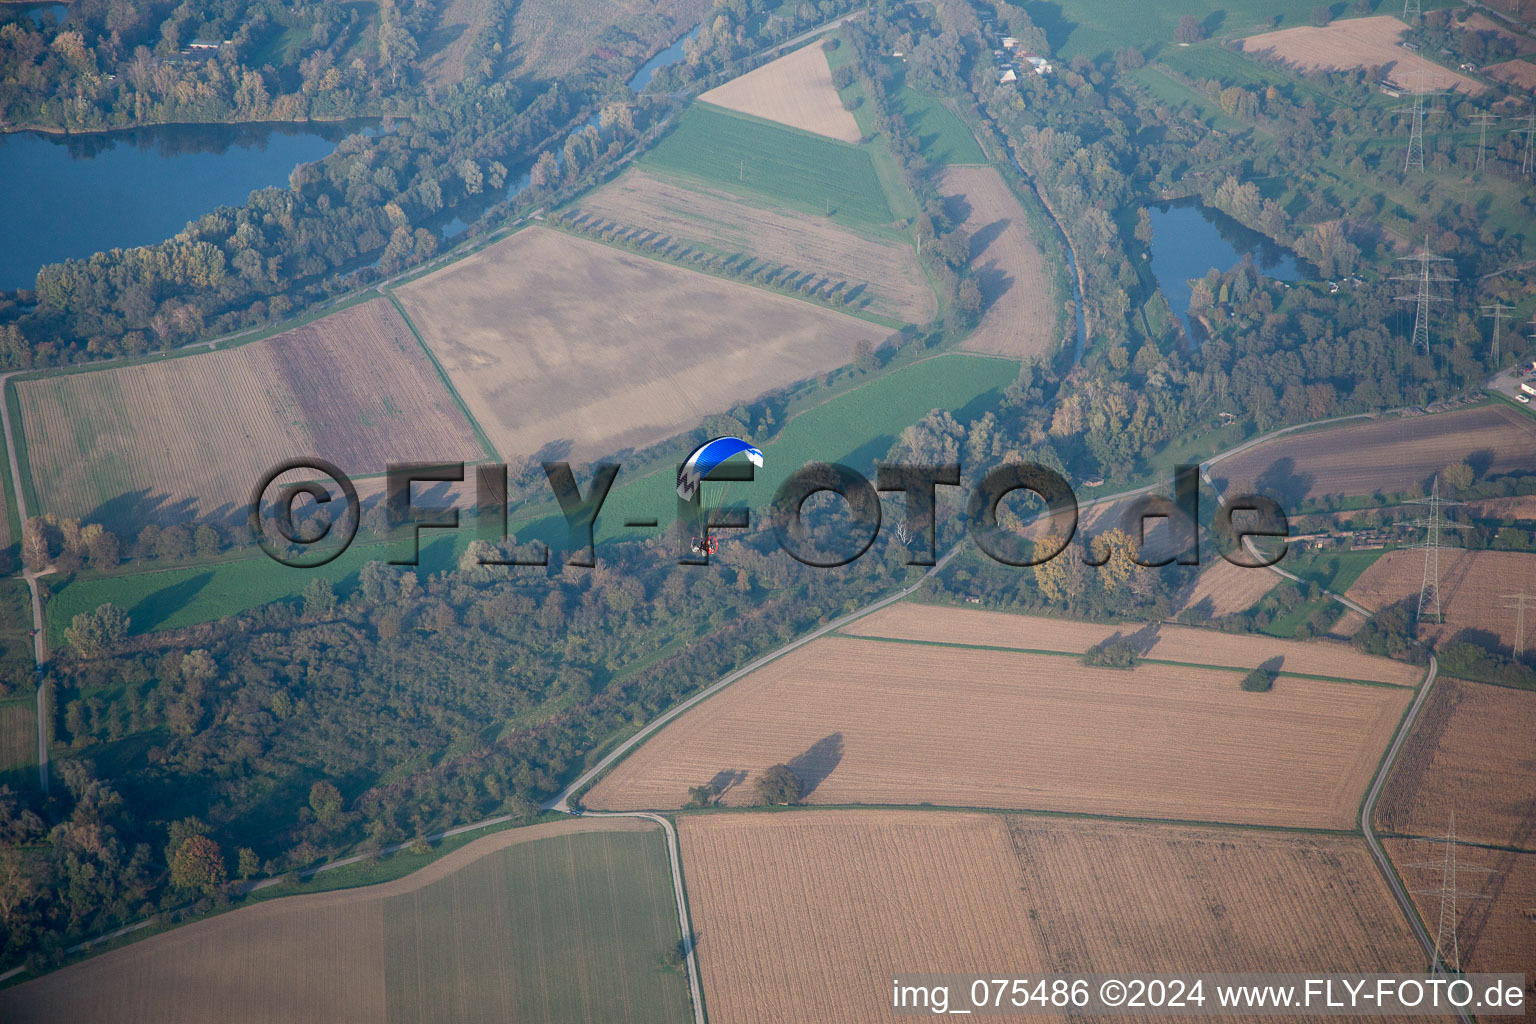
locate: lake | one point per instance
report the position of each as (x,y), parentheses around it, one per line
(1188,239)
(89,192)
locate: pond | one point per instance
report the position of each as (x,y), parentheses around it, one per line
(1188,239)
(37,12)
(90,192)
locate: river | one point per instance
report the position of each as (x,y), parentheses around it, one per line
(89,192)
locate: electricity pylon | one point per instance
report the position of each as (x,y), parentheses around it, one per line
(1483,119)
(1447,953)
(1519,605)
(1429,587)
(1497,311)
(1425,278)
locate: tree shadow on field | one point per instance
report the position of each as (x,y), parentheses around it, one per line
(160,605)
(1280,480)
(725,781)
(813,766)
(986,235)
(1481,462)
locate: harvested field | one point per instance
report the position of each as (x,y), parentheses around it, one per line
(1392,455)
(592,903)
(1472,589)
(900,723)
(1022,317)
(187,438)
(1472,753)
(1358,43)
(547,370)
(552,38)
(1496,927)
(1521,73)
(858,895)
(1225,589)
(935,623)
(795,89)
(884,271)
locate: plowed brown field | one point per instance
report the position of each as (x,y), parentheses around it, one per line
(1391,455)
(1473,585)
(703,218)
(808,915)
(868,721)
(795,89)
(1515,72)
(565,348)
(1472,753)
(1359,43)
(187,438)
(1022,317)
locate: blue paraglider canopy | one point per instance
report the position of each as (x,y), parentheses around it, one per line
(706,457)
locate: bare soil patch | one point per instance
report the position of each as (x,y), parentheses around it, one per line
(1392,455)
(1359,43)
(566,348)
(795,89)
(865,721)
(698,217)
(1021,316)
(800,913)
(187,438)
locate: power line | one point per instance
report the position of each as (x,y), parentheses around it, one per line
(1411,11)
(1429,587)
(1528,159)
(1415,156)
(1483,119)
(1497,311)
(1447,952)
(1425,277)
(1519,606)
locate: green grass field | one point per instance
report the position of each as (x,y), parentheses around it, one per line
(15,637)
(18,742)
(941,136)
(1336,571)
(855,427)
(1094,27)
(759,158)
(564,929)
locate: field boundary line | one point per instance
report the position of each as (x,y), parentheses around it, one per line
(1344,680)
(1031,812)
(480,436)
